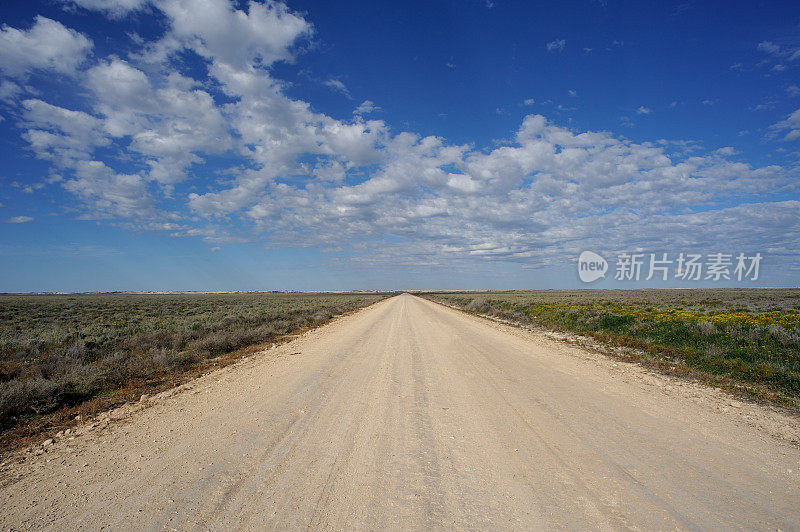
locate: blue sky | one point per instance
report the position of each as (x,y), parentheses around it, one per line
(217,145)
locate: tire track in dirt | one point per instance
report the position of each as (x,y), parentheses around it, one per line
(409,414)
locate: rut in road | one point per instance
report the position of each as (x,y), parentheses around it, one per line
(409,414)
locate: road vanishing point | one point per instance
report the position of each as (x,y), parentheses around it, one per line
(412,415)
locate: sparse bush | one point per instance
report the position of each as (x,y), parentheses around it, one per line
(706,328)
(739,332)
(751,336)
(480,306)
(714,351)
(321,316)
(24,397)
(782,335)
(60,350)
(614,321)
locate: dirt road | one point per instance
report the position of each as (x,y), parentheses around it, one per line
(409,414)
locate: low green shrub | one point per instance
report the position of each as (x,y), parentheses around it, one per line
(60,350)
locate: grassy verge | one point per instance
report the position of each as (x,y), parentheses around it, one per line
(63,356)
(743,340)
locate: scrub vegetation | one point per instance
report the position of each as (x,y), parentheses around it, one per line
(62,354)
(747,340)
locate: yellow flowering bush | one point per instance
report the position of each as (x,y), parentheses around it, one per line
(752,335)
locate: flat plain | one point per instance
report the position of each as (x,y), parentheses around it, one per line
(744,340)
(410,414)
(71,355)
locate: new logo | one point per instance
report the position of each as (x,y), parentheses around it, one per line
(591,266)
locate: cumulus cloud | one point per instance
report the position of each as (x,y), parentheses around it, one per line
(727,151)
(19,219)
(59,134)
(551,188)
(9,91)
(366,107)
(167,125)
(642,110)
(239,39)
(113,8)
(110,194)
(789,128)
(137,153)
(47,45)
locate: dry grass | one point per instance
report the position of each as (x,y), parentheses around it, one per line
(743,339)
(68,355)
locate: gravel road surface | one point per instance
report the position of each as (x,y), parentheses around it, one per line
(409,414)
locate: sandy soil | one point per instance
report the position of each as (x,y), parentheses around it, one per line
(409,414)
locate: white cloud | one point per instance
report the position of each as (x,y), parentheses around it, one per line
(642,110)
(338,86)
(113,8)
(262,35)
(727,151)
(63,136)
(167,126)
(19,219)
(766,104)
(768,47)
(791,126)
(485,208)
(110,194)
(778,53)
(529,101)
(366,107)
(300,177)
(793,90)
(9,91)
(573,93)
(47,45)
(557,45)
